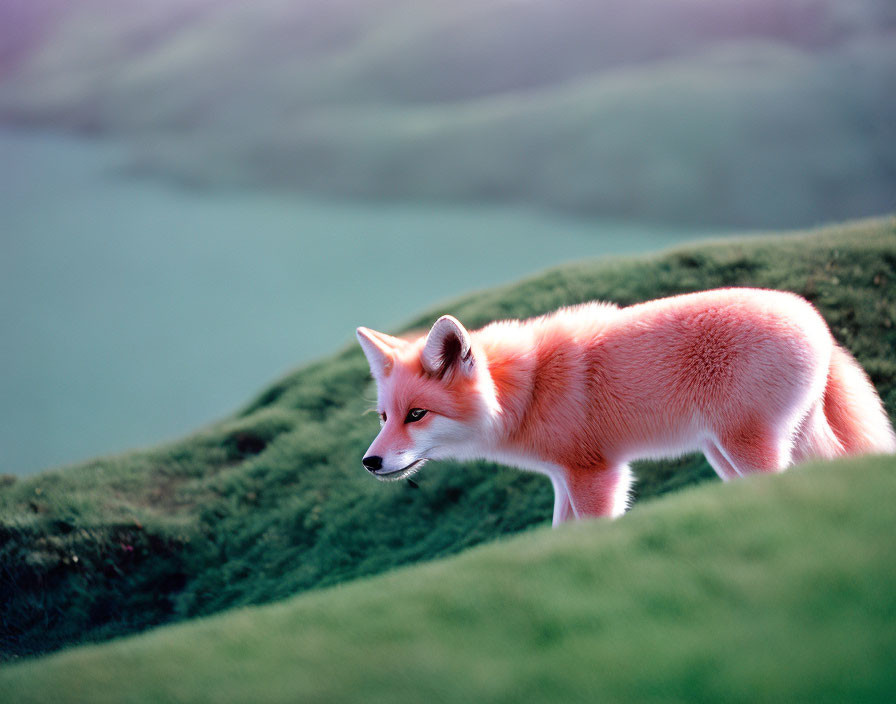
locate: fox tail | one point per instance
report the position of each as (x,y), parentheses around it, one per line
(854,410)
(848,420)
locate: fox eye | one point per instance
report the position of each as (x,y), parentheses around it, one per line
(415,414)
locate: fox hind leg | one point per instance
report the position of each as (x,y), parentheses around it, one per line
(719,462)
(756,448)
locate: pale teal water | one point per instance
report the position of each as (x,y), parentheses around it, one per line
(133,312)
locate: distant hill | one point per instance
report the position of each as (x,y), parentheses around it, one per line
(768,113)
(273,500)
(774,588)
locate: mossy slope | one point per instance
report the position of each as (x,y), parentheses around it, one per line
(273,501)
(775,588)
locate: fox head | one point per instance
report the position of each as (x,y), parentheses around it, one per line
(431,397)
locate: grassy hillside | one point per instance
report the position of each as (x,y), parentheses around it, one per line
(777,588)
(772,114)
(273,501)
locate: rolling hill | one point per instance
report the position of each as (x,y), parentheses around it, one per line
(777,113)
(272,501)
(775,588)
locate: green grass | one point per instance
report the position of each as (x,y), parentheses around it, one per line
(273,501)
(775,588)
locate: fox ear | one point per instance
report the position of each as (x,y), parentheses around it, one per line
(378,348)
(447,348)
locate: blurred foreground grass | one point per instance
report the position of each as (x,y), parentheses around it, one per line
(775,588)
(273,501)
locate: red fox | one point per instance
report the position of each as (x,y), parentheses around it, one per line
(751,377)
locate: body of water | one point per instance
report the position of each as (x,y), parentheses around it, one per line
(133,311)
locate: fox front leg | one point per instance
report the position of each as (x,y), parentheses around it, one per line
(602,491)
(562,506)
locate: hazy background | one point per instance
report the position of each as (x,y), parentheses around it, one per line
(197,195)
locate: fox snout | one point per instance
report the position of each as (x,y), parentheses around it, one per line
(391,465)
(372,463)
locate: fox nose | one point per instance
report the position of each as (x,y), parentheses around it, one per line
(373,463)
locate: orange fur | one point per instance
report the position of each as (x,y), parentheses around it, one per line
(751,377)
